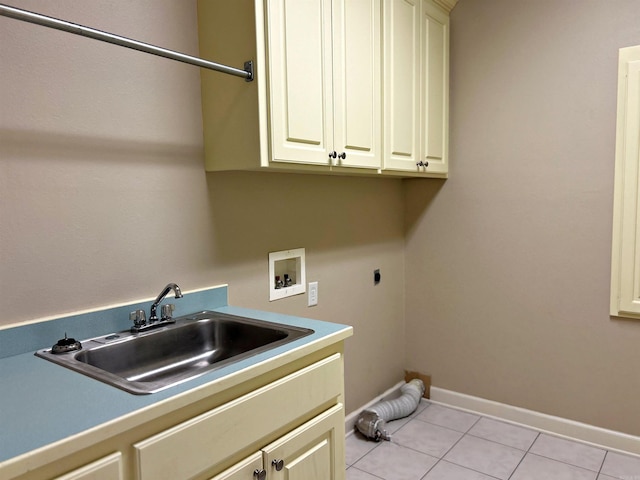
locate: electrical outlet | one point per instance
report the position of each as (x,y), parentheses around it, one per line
(313,293)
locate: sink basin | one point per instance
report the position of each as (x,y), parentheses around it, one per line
(195,344)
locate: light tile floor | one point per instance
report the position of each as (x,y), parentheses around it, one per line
(443,443)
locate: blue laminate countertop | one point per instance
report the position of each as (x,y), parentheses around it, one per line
(42,403)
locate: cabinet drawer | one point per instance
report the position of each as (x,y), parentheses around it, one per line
(107,468)
(199,444)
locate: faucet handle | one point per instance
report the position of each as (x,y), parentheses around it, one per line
(138,317)
(167,311)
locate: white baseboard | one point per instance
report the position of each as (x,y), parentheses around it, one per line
(600,437)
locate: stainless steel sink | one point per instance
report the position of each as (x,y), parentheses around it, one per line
(195,344)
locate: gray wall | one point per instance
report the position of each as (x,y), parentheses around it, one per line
(104,198)
(508,262)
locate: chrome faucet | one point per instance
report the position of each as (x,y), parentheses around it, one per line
(153,316)
(140,323)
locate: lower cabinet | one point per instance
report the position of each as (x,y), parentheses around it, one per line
(310,452)
(107,468)
(296,421)
(288,427)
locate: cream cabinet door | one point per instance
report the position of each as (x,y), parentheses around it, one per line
(314,451)
(401,84)
(435,80)
(625,271)
(324,74)
(300,80)
(357,87)
(416,87)
(107,468)
(248,469)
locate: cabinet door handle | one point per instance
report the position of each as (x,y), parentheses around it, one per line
(259,474)
(278,464)
(343,155)
(422,164)
(333,154)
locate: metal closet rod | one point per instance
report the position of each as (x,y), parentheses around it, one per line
(45,21)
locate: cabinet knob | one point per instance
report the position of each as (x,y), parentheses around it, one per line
(259,474)
(278,464)
(333,154)
(422,164)
(343,155)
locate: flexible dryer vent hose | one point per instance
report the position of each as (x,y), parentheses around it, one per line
(372,422)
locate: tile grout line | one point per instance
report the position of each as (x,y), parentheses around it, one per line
(441,459)
(526,452)
(368,473)
(567,463)
(468,433)
(606,452)
(377,444)
(598,472)
(500,443)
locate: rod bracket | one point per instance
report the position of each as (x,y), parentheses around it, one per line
(248,67)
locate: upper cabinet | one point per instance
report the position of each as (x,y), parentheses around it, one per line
(320,101)
(416,86)
(357,78)
(324,82)
(434,117)
(402,84)
(625,263)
